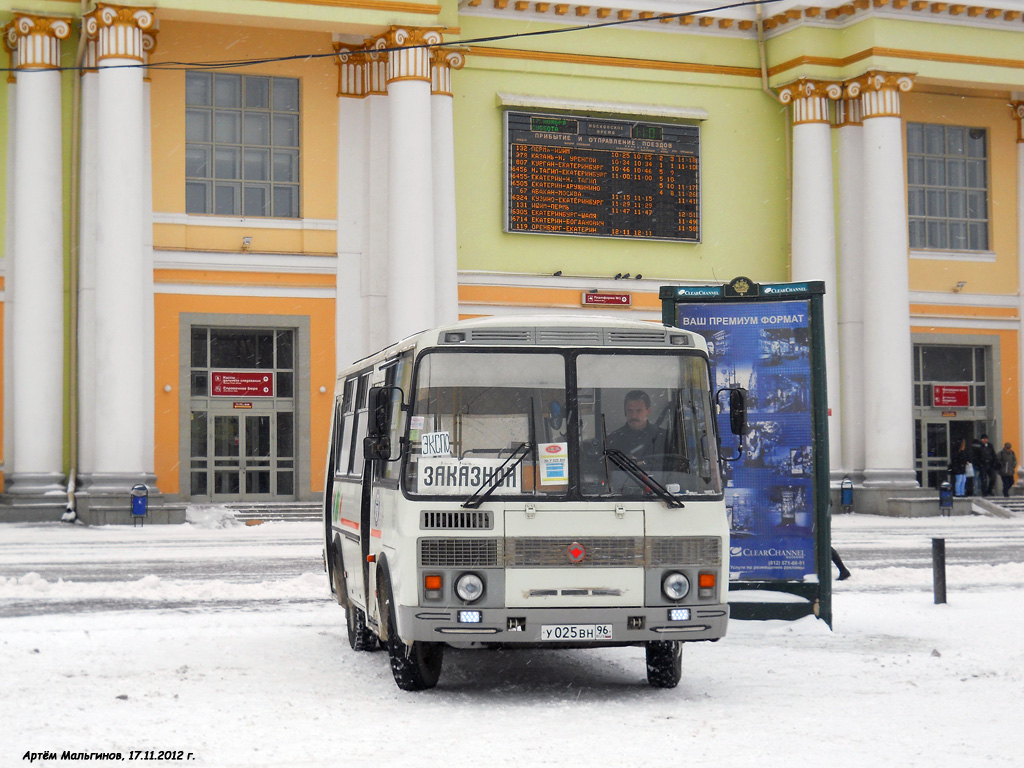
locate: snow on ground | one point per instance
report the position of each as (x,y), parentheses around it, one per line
(222,641)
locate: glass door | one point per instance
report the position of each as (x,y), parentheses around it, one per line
(243,414)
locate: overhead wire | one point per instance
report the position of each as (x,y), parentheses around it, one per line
(477,41)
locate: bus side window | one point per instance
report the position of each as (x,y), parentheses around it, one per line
(359,425)
(348,419)
(399,375)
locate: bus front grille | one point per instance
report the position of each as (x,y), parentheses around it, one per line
(460,553)
(546,552)
(681,550)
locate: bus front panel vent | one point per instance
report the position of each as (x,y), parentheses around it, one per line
(461,520)
(655,337)
(569,336)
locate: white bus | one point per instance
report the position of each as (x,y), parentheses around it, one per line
(529,481)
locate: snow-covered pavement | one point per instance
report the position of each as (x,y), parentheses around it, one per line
(223,642)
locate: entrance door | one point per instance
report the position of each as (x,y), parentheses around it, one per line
(935,444)
(242,415)
(247,456)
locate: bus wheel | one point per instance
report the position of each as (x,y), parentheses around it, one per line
(360,637)
(415,667)
(664,663)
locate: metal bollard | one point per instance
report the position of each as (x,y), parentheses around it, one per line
(939,570)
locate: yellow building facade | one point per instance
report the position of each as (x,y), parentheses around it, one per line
(212,206)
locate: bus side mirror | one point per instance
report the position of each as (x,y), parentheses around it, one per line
(738,411)
(377,448)
(737,417)
(377,443)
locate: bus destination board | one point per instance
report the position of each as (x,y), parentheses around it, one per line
(577,175)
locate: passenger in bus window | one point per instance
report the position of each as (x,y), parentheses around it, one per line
(638,437)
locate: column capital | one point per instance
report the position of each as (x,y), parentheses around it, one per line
(810,99)
(352,79)
(1018,115)
(880,92)
(118,31)
(848,109)
(408,51)
(34,41)
(442,62)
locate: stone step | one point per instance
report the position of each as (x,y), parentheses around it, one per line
(284,511)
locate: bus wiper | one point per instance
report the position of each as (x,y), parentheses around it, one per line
(629,465)
(481,494)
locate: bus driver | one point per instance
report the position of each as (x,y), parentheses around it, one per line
(638,437)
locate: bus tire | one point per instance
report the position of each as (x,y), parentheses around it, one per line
(360,637)
(417,666)
(664,663)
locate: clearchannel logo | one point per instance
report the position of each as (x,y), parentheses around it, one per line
(772,552)
(769,290)
(708,290)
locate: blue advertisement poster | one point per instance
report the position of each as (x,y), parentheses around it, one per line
(764,347)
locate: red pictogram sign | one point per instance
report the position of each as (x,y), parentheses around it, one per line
(951,397)
(608,299)
(241,384)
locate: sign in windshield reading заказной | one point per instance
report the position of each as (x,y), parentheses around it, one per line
(458,477)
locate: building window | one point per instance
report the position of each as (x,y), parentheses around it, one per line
(947,187)
(949,377)
(242,145)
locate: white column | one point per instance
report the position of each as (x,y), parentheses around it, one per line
(1018,114)
(349,329)
(121,281)
(888,381)
(375,266)
(37,317)
(850,130)
(410,184)
(8,271)
(813,227)
(87,265)
(446,256)
(149,309)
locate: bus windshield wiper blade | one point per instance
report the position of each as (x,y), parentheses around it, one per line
(481,494)
(629,465)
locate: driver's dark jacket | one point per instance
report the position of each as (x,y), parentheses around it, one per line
(638,443)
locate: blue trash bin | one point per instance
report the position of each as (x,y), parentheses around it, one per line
(846,495)
(140,502)
(946,499)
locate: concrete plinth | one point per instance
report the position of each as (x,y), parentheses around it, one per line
(920,502)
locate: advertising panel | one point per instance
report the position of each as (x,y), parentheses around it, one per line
(765,348)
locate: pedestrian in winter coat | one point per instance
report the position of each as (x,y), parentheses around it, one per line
(1007,467)
(958,469)
(985,466)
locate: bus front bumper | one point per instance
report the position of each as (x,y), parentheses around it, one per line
(563,626)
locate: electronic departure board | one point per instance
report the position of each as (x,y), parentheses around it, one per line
(575,175)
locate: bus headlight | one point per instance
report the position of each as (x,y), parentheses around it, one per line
(469,587)
(675,585)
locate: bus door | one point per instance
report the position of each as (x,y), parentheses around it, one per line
(350,516)
(380,487)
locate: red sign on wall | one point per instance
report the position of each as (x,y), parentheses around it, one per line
(951,397)
(241,384)
(608,299)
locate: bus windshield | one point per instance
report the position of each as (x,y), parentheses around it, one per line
(500,422)
(653,413)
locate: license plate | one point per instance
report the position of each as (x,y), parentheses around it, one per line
(561,632)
